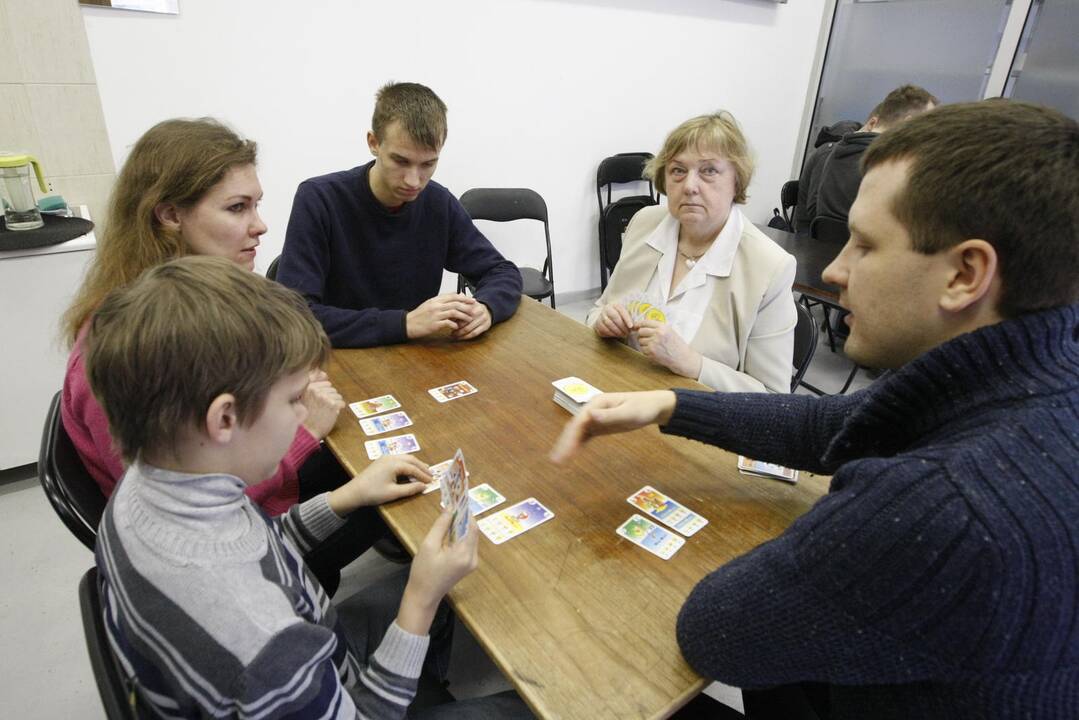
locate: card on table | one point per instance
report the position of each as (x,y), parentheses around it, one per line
(454,486)
(374,406)
(452,391)
(483,497)
(385,423)
(577,389)
(667,511)
(765,469)
(511,522)
(656,540)
(396,445)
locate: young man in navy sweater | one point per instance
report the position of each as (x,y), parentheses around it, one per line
(366,247)
(939,576)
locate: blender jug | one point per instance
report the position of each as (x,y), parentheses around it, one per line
(16,192)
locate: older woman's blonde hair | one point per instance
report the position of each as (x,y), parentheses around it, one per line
(176,161)
(717,132)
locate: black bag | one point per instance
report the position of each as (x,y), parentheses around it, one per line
(778,222)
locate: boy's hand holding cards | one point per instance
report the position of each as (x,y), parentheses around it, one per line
(454,486)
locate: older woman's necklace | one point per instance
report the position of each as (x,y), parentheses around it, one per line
(691,260)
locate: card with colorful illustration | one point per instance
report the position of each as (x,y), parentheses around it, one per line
(396,445)
(453,391)
(385,423)
(765,469)
(438,472)
(511,522)
(577,389)
(667,511)
(454,485)
(656,540)
(483,497)
(374,406)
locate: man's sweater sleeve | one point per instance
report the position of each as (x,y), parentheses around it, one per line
(304,672)
(310,522)
(497,280)
(873,586)
(790,430)
(305,265)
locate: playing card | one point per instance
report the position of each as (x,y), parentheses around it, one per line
(396,445)
(577,389)
(511,522)
(483,497)
(765,469)
(452,391)
(385,423)
(642,306)
(455,496)
(438,472)
(667,511)
(374,406)
(642,531)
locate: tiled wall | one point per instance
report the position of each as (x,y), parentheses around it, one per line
(49,106)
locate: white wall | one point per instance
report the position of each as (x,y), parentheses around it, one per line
(539,91)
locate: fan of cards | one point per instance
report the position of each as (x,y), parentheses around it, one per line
(642,306)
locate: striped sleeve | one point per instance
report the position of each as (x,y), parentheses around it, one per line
(309,523)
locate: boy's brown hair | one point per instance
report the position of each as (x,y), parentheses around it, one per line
(421,113)
(904,102)
(159,351)
(1001,171)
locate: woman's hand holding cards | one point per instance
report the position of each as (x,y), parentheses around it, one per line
(613,321)
(378,484)
(663,346)
(437,567)
(613,413)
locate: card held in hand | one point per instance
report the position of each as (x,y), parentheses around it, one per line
(455,496)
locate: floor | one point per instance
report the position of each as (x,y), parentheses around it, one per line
(44,670)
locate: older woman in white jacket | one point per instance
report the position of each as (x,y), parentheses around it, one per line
(725,284)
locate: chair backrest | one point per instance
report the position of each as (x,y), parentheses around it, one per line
(613,221)
(788,199)
(271,272)
(116,694)
(829,229)
(504,204)
(71,491)
(805,344)
(620,169)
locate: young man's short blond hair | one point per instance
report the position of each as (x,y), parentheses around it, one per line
(717,132)
(421,113)
(159,351)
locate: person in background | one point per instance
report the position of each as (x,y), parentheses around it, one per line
(190,187)
(726,285)
(830,177)
(367,247)
(939,577)
(206,599)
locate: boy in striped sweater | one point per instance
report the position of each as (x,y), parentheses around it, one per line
(201,367)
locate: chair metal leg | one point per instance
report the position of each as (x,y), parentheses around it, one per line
(850,378)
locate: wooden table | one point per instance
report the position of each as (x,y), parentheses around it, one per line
(581,621)
(813,256)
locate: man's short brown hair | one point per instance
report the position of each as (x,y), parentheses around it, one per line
(159,351)
(421,113)
(1001,171)
(717,132)
(902,103)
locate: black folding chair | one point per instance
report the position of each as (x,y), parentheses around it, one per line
(271,272)
(117,694)
(620,169)
(506,205)
(805,346)
(788,200)
(71,491)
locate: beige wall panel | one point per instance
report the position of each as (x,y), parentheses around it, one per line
(17,131)
(71,129)
(49,39)
(10,70)
(90,190)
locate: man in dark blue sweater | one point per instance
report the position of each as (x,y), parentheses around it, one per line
(366,247)
(939,576)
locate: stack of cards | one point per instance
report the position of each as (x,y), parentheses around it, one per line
(765,469)
(656,540)
(642,306)
(572,393)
